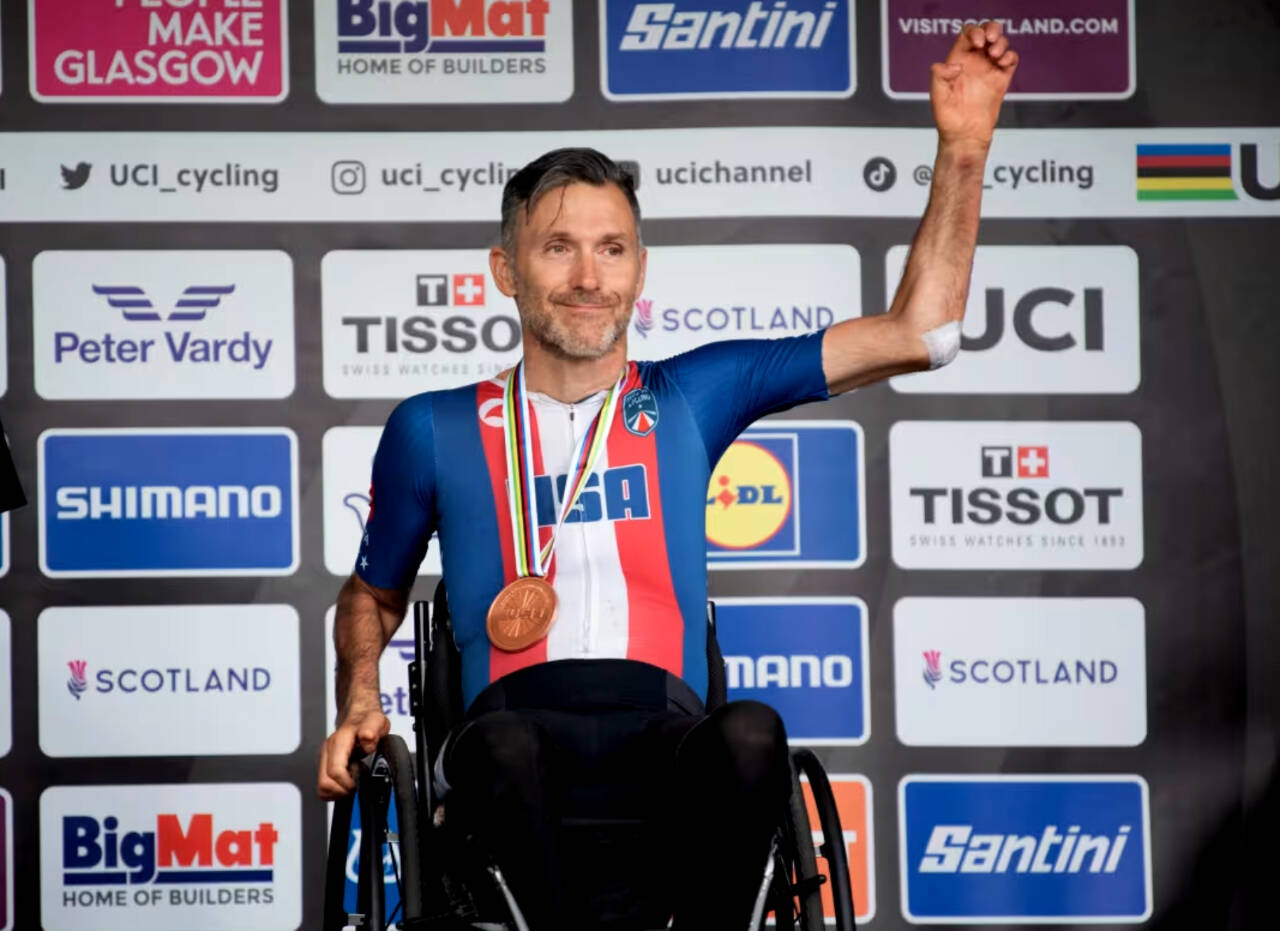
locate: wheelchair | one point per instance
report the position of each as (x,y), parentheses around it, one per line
(447,882)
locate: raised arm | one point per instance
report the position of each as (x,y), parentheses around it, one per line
(922,328)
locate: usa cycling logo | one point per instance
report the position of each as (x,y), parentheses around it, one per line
(727,48)
(137,502)
(806,657)
(1006,849)
(640,411)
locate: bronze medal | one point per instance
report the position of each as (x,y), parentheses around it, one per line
(521,614)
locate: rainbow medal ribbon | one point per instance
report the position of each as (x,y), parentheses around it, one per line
(525,609)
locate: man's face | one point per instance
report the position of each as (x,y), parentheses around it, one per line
(577,269)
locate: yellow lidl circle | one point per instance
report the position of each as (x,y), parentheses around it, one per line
(749,497)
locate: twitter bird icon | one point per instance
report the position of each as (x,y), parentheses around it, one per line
(75,178)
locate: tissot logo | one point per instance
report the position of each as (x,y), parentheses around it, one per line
(1016,495)
(165,324)
(1041,319)
(394,326)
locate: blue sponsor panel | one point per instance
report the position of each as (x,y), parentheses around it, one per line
(788,494)
(1025,848)
(390,863)
(168,502)
(805,657)
(715,48)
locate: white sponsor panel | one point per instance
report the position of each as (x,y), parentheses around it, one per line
(1040,320)
(454,51)
(701,294)
(1016,495)
(393,677)
(711,172)
(163,324)
(400,322)
(132,680)
(348,462)
(6,685)
(1020,672)
(201,857)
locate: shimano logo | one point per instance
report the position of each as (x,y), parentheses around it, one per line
(955,848)
(834,671)
(160,502)
(665,27)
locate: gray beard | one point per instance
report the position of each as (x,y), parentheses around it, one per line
(562,340)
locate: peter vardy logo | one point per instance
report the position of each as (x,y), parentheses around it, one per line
(78,684)
(1025,848)
(724,48)
(806,657)
(195,301)
(932,668)
(168,502)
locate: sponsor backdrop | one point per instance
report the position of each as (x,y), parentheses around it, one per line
(1021,607)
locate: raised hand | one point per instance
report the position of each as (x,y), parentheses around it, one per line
(966,90)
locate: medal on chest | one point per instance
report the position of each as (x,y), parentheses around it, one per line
(523,612)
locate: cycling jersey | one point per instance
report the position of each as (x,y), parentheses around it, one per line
(630,563)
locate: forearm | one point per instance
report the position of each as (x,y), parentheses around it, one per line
(935,283)
(363,626)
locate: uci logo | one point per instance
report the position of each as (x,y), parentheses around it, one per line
(749,498)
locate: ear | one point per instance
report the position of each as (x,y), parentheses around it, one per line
(503,270)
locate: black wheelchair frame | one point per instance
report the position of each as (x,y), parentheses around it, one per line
(467,890)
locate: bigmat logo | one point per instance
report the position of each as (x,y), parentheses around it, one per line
(164,324)
(115,681)
(172,501)
(348,464)
(757,291)
(788,494)
(400,322)
(197,856)
(806,657)
(393,675)
(690,49)
(853,800)
(214,51)
(1040,320)
(1024,849)
(1016,495)
(6,686)
(1020,672)
(444,51)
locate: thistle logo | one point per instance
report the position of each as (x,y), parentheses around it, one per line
(932,668)
(133,302)
(749,498)
(78,684)
(644,317)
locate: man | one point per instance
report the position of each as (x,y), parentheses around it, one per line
(579,610)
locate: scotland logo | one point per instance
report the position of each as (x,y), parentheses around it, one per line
(78,684)
(640,411)
(932,668)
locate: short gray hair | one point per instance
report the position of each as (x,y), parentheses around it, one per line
(556,169)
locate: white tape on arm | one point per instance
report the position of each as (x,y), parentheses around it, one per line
(943,344)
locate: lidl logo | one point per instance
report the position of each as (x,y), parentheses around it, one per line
(788,494)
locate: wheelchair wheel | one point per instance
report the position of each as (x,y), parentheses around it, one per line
(799,904)
(833,849)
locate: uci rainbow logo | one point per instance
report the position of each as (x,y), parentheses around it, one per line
(749,498)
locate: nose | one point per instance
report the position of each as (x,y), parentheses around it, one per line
(585,274)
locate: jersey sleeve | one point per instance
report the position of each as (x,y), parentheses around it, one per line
(733,383)
(402,513)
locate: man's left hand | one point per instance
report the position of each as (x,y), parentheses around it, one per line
(967,89)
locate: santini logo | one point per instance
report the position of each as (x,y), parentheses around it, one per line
(957,848)
(662,26)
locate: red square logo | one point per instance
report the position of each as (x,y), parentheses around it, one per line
(1033,462)
(468,290)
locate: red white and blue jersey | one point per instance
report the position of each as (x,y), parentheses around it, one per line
(630,562)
